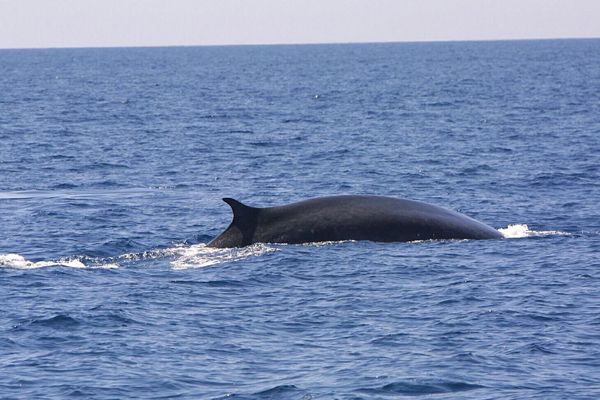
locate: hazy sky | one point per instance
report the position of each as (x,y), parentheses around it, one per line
(87,23)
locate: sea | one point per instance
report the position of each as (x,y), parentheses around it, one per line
(114,161)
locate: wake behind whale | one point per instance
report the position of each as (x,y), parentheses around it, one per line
(336,218)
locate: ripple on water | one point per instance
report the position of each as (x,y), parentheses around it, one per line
(58,322)
(280,392)
(420,388)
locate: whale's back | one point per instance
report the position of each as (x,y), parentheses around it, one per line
(335,218)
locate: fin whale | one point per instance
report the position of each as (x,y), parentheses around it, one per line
(335,218)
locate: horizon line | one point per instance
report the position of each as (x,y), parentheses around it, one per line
(142,46)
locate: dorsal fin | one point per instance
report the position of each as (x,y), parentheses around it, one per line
(241,212)
(244,221)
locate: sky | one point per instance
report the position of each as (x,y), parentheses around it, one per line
(116,23)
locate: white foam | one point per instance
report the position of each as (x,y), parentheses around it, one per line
(327,243)
(150,254)
(12,260)
(183,257)
(198,255)
(107,266)
(71,263)
(522,231)
(17,261)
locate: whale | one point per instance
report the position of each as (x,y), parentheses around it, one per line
(348,218)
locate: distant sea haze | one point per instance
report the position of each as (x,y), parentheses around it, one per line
(113,163)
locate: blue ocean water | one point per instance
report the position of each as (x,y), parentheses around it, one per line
(113,163)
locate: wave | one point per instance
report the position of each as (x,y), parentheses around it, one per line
(285,391)
(421,388)
(522,231)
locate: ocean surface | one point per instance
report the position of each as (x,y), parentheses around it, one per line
(113,163)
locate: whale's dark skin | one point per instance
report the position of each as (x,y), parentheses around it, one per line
(374,218)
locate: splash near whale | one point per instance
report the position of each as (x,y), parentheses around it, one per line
(337,218)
